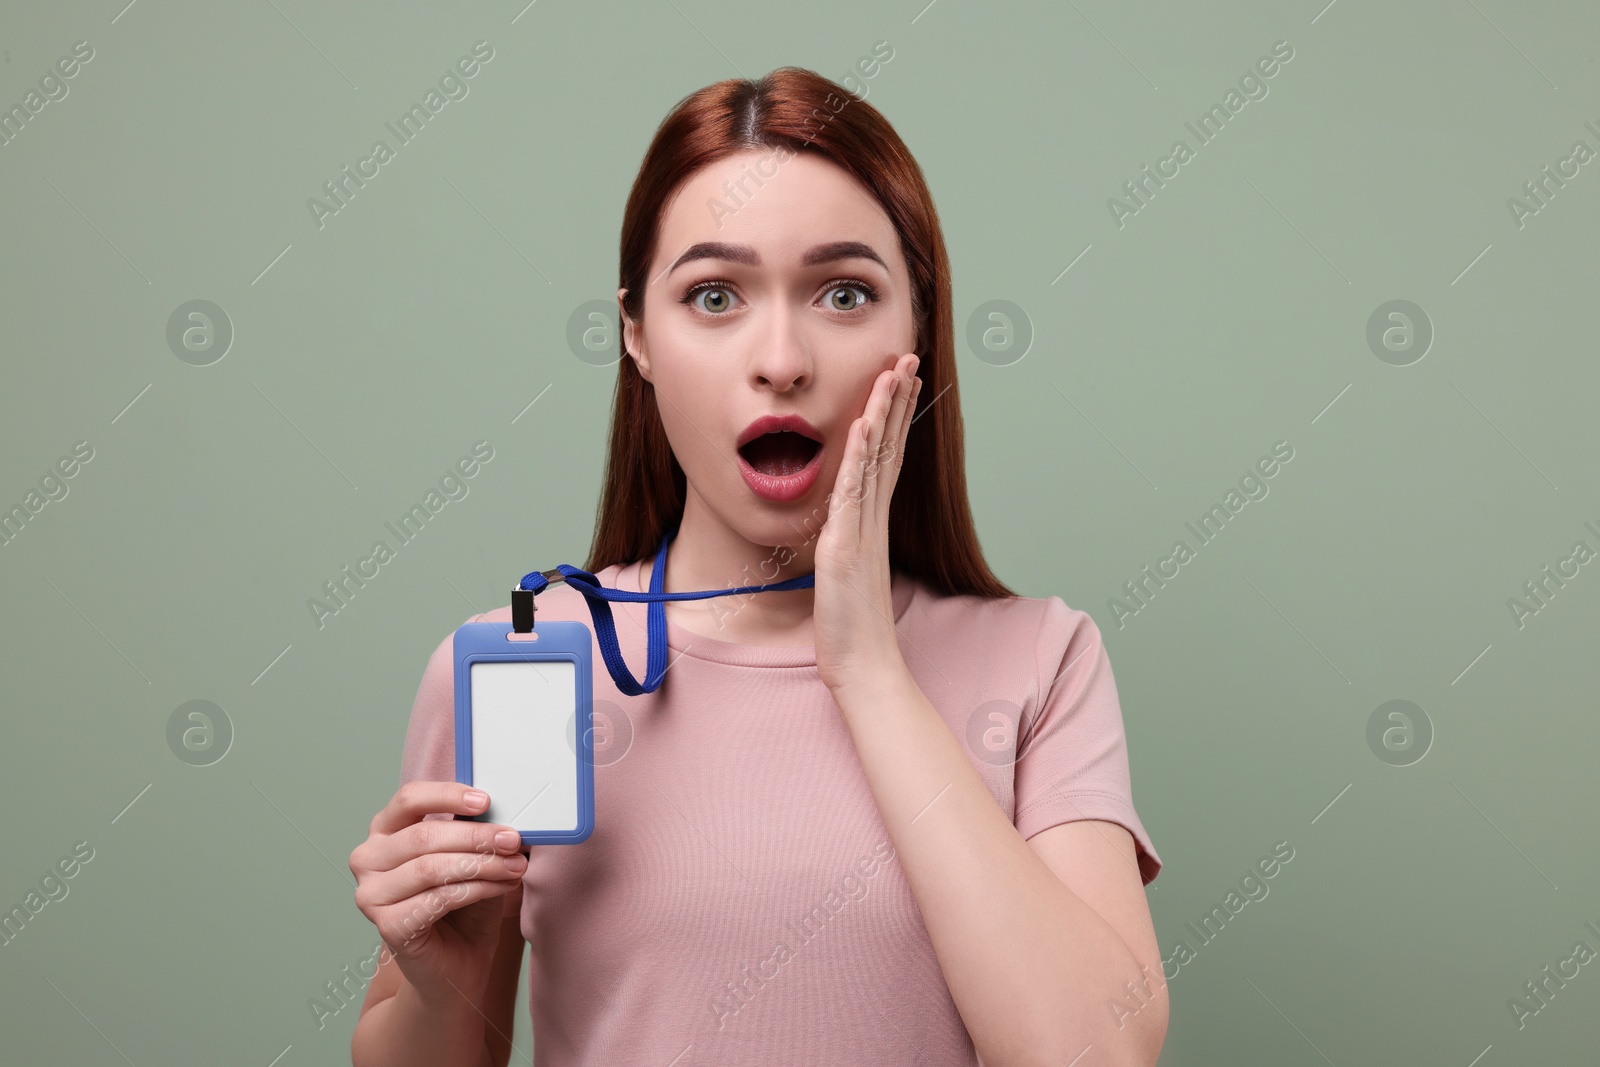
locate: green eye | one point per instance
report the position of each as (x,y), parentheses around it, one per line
(713,305)
(868,295)
(719,296)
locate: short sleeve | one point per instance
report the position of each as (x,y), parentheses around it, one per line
(1072,756)
(430,749)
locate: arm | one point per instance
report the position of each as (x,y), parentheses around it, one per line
(403,1029)
(398,1027)
(505,975)
(1030,959)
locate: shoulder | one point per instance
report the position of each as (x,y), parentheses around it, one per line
(1041,644)
(1046,624)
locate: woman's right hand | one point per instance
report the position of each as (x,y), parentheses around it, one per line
(434,888)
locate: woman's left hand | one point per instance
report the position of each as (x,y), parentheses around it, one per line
(853,612)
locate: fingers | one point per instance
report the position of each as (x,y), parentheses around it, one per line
(386,852)
(897,422)
(398,923)
(411,870)
(400,833)
(906,382)
(878,407)
(439,870)
(887,433)
(415,799)
(894,450)
(886,419)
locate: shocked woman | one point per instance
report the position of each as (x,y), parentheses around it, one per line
(882,818)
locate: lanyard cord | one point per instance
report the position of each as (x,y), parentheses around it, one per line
(605,626)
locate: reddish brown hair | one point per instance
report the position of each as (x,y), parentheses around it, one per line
(931,534)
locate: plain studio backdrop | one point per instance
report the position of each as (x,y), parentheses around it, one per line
(1379,259)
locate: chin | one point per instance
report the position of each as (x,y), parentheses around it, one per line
(784,527)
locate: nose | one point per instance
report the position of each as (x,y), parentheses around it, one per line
(782,362)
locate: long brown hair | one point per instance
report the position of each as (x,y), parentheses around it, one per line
(931,534)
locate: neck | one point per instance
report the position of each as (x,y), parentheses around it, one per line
(709,554)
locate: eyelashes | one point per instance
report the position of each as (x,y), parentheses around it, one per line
(691,295)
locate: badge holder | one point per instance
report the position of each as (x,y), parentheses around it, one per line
(525,700)
(523,717)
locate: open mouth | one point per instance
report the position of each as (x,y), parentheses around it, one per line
(780,454)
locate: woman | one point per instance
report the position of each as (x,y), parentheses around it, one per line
(884,819)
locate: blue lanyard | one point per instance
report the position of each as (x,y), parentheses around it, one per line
(605,627)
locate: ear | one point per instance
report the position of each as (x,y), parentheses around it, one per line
(633,338)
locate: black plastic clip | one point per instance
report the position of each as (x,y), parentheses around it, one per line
(522,610)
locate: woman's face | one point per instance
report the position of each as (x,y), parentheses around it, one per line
(787,297)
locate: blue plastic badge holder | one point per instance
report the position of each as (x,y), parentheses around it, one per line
(524,711)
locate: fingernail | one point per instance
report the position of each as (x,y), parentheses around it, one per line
(516,864)
(476,798)
(508,839)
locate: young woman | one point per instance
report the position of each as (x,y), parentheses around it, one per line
(883,819)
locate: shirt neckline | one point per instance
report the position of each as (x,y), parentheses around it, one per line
(902,590)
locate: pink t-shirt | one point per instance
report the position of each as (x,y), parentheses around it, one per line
(739,901)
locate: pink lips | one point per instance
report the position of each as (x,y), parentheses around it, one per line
(784,488)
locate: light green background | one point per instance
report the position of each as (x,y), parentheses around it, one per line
(1230,313)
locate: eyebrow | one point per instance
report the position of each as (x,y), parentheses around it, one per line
(824,253)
